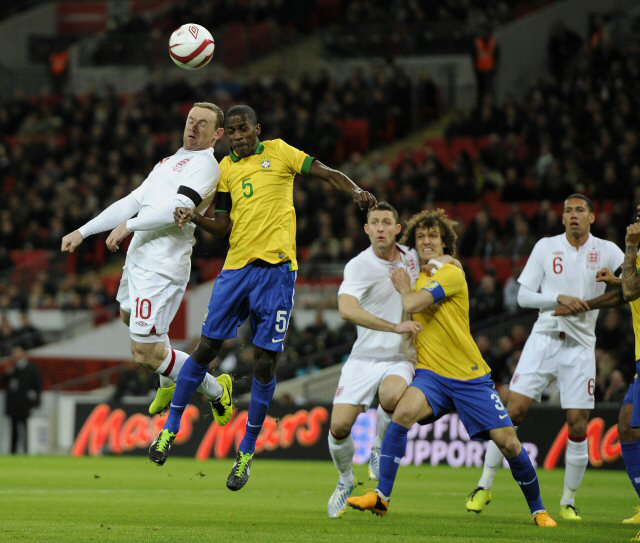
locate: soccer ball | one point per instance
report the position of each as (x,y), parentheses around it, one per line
(191,46)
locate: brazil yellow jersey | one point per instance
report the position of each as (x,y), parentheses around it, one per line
(445,345)
(635,315)
(262,212)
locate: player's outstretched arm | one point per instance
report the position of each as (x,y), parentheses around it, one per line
(340,181)
(351,310)
(630,277)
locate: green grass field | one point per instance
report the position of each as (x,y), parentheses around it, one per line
(130,500)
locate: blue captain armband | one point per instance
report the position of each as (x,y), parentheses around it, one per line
(436,290)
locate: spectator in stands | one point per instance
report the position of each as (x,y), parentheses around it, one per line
(133,381)
(486,300)
(28,336)
(616,389)
(23,386)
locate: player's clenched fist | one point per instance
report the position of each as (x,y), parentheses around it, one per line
(117,235)
(71,241)
(182,215)
(364,199)
(633,234)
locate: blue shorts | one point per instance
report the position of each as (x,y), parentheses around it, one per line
(633,396)
(476,401)
(261,291)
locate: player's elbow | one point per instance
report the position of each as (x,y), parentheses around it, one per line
(629,294)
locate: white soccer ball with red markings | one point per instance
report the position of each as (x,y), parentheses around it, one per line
(191,46)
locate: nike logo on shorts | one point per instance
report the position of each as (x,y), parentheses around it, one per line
(505,415)
(273,340)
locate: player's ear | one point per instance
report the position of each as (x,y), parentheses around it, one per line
(258,129)
(398,228)
(592,217)
(366,228)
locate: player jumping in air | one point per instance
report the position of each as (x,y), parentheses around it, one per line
(451,374)
(258,277)
(158,263)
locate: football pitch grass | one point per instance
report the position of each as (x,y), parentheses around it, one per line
(127,499)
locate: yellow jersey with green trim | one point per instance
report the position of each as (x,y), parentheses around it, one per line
(262,212)
(445,345)
(635,315)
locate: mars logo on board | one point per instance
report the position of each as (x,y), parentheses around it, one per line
(113,430)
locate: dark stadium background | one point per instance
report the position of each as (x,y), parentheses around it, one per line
(385,91)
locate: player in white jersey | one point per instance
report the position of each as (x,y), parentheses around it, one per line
(158,262)
(560,273)
(382,358)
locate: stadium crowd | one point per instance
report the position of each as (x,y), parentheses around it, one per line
(74,155)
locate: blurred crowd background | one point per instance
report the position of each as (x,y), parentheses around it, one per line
(501,166)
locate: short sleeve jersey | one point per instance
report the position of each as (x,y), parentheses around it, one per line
(367,278)
(445,345)
(262,211)
(556,267)
(168,251)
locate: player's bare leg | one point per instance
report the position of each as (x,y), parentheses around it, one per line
(412,407)
(576,460)
(389,393)
(342,449)
(517,406)
(158,357)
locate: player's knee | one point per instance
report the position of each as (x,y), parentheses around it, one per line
(577,428)
(264,365)
(390,400)
(340,429)
(206,350)
(509,445)
(516,413)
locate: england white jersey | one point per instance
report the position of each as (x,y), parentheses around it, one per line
(367,278)
(556,267)
(167,251)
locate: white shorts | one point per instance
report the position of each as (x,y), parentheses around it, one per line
(152,300)
(549,356)
(360,379)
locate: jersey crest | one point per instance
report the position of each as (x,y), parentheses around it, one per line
(593,257)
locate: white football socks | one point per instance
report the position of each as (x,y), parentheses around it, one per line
(383,419)
(209,386)
(576,460)
(342,451)
(492,461)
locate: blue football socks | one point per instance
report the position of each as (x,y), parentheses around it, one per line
(189,379)
(525,475)
(393,449)
(631,456)
(261,396)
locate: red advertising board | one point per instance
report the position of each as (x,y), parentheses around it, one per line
(301,432)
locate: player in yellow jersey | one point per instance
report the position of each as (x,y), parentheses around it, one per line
(258,277)
(629,417)
(451,374)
